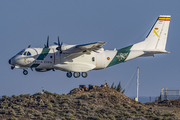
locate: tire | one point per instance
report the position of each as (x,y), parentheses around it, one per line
(25,72)
(76,74)
(69,74)
(84,74)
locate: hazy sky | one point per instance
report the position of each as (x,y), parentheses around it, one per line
(118,22)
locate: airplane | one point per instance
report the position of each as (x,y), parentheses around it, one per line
(82,58)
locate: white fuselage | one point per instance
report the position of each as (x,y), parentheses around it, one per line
(50,58)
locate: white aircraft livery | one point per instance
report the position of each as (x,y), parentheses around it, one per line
(85,57)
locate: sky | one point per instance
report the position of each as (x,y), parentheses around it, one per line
(120,23)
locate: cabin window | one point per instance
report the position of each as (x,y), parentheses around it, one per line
(51,56)
(93,59)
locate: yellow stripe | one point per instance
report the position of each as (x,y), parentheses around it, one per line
(164,18)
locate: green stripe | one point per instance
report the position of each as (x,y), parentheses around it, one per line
(43,54)
(35,65)
(120,56)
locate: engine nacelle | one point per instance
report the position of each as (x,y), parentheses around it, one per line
(42,70)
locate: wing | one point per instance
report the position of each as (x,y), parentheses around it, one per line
(91,46)
(85,48)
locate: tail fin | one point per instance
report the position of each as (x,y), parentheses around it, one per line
(156,40)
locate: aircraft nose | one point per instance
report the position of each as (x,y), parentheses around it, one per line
(9,61)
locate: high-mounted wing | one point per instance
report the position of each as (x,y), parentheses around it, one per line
(84,48)
(91,46)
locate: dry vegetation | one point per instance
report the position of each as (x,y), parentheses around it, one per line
(99,103)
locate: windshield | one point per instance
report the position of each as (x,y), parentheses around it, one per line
(20,53)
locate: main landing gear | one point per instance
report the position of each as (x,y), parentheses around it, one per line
(76,74)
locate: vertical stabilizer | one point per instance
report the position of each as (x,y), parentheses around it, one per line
(156,40)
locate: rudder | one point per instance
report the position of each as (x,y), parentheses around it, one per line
(156,40)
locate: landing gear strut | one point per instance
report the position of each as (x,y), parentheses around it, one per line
(25,72)
(69,74)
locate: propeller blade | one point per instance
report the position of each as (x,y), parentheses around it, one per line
(59,46)
(47,45)
(58,41)
(47,42)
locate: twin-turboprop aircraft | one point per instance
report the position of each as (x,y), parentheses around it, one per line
(80,59)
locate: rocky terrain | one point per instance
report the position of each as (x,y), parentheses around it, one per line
(98,103)
(166,103)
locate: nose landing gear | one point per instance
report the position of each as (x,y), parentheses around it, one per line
(25,72)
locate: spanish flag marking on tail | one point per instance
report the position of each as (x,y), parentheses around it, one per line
(164,18)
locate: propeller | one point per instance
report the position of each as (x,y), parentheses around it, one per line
(47,46)
(59,48)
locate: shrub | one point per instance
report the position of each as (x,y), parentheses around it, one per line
(117,106)
(49,112)
(63,118)
(18,115)
(38,93)
(111,117)
(97,111)
(135,112)
(114,96)
(13,96)
(49,93)
(6,105)
(97,118)
(21,95)
(4,96)
(85,96)
(15,106)
(70,116)
(168,114)
(13,118)
(49,105)
(103,110)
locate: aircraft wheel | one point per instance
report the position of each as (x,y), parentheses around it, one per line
(12,67)
(84,74)
(25,72)
(69,74)
(76,74)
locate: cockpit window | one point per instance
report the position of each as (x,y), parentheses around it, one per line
(28,53)
(24,53)
(20,53)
